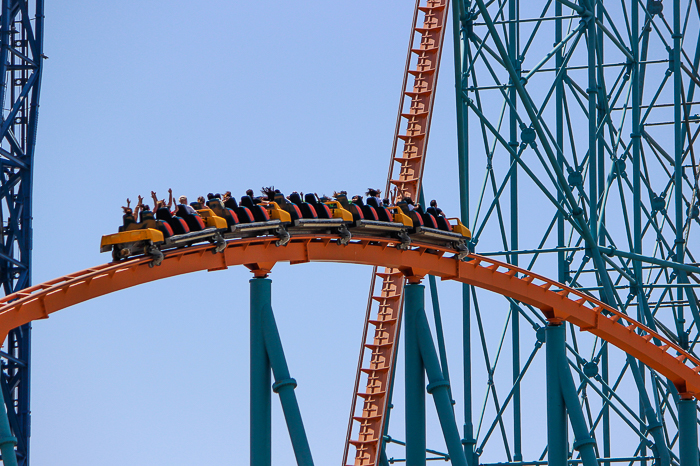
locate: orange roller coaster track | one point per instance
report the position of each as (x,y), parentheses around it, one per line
(556,301)
(383,316)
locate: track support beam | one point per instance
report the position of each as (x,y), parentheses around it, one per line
(260,383)
(688,431)
(266,354)
(562,397)
(557,450)
(415,380)
(422,359)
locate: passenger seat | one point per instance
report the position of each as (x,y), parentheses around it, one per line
(307,210)
(194,222)
(178,225)
(442,222)
(259,212)
(322,210)
(383,214)
(413,214)
(368,212)
(218,208)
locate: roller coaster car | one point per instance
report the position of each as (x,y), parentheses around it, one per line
(136,238)
(256,219)
(211,220)
(365,218)
(288,212)
(310,216)
(202,229)
(434,228)
(337,211)
(194,222)
(151,235)
(132,243)
(218,210)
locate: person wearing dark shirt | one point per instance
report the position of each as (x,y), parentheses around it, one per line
(256,200)
(438,210)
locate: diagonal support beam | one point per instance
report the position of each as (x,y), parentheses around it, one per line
(562,397)
(266,354)
(422,359)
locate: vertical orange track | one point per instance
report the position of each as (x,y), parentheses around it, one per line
(383,320)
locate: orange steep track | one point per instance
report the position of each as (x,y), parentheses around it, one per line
(383,315)
(557,302)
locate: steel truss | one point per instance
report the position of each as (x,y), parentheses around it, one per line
(578,137)
(21,54)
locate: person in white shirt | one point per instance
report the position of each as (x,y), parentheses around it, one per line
(188,208)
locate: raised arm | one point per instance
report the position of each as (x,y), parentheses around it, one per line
(138,209)
(170,198)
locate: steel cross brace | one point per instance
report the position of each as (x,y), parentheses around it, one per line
(576,212)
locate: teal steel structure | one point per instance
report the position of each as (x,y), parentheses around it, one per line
(583,166)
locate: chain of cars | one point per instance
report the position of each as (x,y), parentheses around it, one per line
(282,217)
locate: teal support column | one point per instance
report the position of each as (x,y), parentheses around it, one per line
(439,333)
(424,355)
(439,388)
(260,393)
(469,440)
(687,432)
(513,52)
(562,265)
(678,133)
(461,25)
(415,379)
(636,181)
(592,130)
(7,440)
(267,355)
(605,373)
(557,450)
(556,413)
